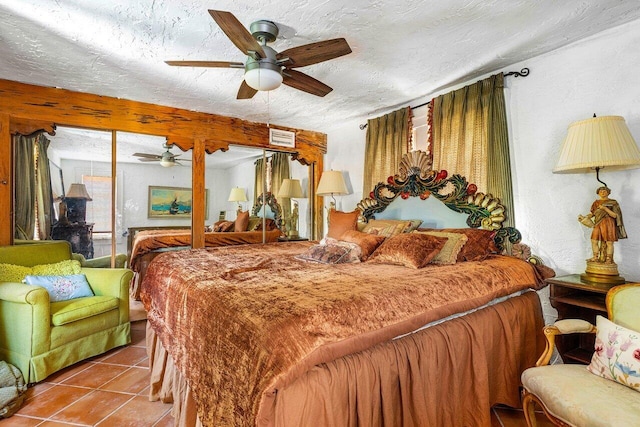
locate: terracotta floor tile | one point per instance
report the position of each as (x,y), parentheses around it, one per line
(60,376)
(166,421)
(144,363)
(138,412)
(129,356)
(51,401)
(92,408)
(54,424)
(109,353)
(37,389)
(140,325)
(20,421)
(97,375)
(133,380)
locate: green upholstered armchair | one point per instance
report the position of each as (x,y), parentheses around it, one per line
(41,337)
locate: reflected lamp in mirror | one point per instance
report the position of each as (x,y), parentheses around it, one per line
(76,204)
(291,189)
(332,183)
(594,144)
(238,195)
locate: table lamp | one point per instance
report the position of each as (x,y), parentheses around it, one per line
(291,189)
(238,195)
(76,203)
(594,144)
(331,183)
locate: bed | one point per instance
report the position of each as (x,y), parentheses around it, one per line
(145,243)
(258,336)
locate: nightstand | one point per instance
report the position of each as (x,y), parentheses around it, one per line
(575,299)
(292,239)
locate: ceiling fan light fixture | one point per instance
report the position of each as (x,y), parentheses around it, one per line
(263,76)
(167,162)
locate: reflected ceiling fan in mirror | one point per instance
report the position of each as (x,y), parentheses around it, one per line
(265,69)
(166,159)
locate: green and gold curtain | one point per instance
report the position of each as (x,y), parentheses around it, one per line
(469,137)
(387,141)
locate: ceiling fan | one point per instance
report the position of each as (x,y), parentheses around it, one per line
(166,159)
(265,69)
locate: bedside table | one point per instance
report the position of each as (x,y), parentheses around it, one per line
(575,299)
(292,239)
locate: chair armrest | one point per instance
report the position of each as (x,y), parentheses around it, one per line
(25,294)
(101,262)
(114,282)
(562,327)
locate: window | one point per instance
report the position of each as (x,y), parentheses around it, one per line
(99,208)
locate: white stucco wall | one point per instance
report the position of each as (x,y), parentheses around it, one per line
(597,75)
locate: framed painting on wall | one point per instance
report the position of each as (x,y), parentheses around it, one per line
(173,202)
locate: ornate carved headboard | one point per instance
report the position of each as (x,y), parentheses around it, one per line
(271,201)
(415,178)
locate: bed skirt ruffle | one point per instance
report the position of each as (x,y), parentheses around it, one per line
(448,374)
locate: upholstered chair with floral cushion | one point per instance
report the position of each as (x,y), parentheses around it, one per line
(54,312)
(607,391)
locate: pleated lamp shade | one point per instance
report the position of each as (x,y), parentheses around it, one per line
(598,142)
(290,189)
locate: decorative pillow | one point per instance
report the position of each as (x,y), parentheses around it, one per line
(413,225)
(617,354)
(13,273)
(339,222)
(224,226)
(62,288)
(479,244)
(331,253)
(367,242)
(413,250)
(270,224)
(242,221)
(386,227)
(449,253)
(254,221)
(62,268)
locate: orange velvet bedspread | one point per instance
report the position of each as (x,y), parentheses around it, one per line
(147,242)
(242,323)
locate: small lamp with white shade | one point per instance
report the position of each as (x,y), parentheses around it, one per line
(238,195)
(594,144)
(332,183)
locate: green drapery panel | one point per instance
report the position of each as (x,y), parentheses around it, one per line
(25,179)
(259,181)
(279,171)
(387,141)
(469,137)
(44,193)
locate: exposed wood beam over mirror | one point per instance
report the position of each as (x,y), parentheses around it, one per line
(28,107)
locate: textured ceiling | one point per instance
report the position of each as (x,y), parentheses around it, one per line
(402,50)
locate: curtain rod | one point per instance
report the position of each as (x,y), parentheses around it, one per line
(522,73)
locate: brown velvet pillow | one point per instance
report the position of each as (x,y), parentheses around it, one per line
(224,226)
(368,242)
(414,250)
(269,223)
(479,243)
(449,253)
(254,221)
(339,222)
(242,221)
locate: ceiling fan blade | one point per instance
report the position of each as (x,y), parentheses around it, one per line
(216,64)
(305,83)
(236,32)
(313,53)
(246,91)
(148,156)
(144,159)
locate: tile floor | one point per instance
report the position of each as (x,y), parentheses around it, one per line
(112,390)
